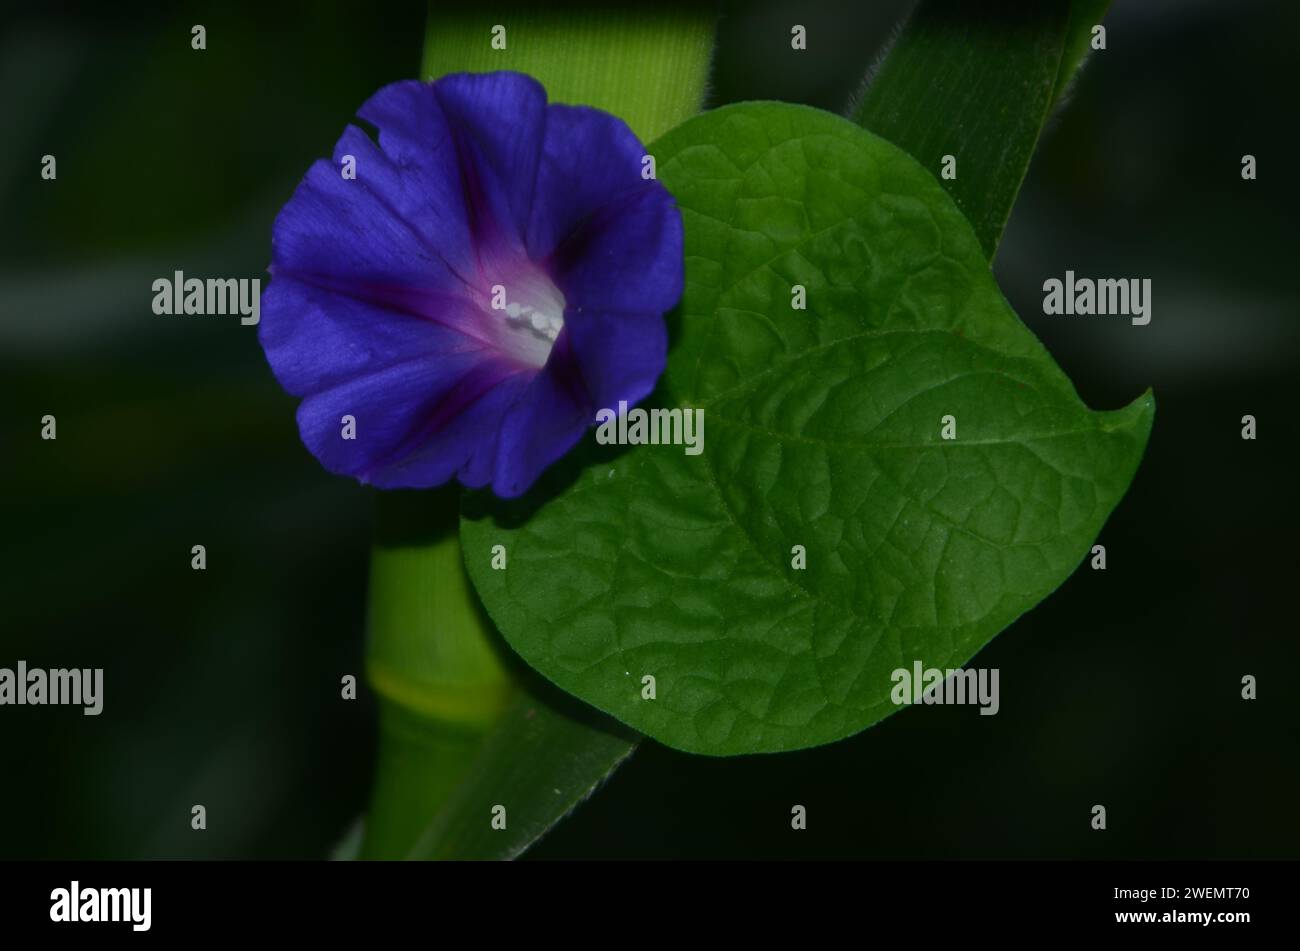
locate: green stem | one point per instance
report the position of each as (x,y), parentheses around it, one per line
(433,660)
(647,66)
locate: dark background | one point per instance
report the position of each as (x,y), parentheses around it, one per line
(1122,688)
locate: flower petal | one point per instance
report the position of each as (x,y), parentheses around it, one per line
(467,449)
(612,239)
(418,423)
(318,338)
(368,229)
(545,422)
(618,356)
(497,122)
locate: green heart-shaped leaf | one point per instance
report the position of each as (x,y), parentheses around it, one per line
(822,430)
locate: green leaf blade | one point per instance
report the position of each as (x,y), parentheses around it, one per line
(822,430)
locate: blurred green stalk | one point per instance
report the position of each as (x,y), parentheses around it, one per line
(647,64)
(433,658)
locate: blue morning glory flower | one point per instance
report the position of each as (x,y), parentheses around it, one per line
(460,300)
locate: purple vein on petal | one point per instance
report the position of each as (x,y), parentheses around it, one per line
(472,387)
(407,301)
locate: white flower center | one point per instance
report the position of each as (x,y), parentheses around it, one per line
(530,317)
(543,323)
